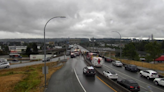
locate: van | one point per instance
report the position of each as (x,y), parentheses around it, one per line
(97,61)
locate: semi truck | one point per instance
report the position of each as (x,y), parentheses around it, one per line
(39,57)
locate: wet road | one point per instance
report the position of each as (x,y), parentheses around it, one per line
(70,78)
(91,84)
(145,85)
(64,80)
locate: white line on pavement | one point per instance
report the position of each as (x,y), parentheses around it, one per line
(79,80)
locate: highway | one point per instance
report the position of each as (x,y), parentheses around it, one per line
(145,85)
(70,78)
(33,63)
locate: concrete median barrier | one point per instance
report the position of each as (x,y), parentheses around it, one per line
(110,82)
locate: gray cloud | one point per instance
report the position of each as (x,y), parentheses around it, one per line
(85,18)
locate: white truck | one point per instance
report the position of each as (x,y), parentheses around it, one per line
(97,61)
(39,57)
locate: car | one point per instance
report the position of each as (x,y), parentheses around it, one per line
(47,59)
(73,55)
(132,68)
(117,63)
(149,74)
(130,84)
(89,70)
(68,52)
(15,60)
(110,74)
(4,63)
(53,56)
(108,59)
(77,53)
(159,81)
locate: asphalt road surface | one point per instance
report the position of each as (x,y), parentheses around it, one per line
(145,85)
(70,78)
(64,80)
(33,63)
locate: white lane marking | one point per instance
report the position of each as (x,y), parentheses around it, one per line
(79,80)
(135,79)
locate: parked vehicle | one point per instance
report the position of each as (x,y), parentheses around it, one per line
(132,68)
(97,61)
(129,84)
(110,74)
(89,70)
(117,63)
(4,63)
(107,59)
(149,74)
(159,81)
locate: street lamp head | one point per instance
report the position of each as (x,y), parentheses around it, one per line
(62,17)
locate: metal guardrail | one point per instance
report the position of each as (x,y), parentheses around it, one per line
(110,82)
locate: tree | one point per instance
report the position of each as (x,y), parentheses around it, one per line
(5,49)
(35,49)
(140,46)
(28,50)
(162,46)
(154,50)
(130,51)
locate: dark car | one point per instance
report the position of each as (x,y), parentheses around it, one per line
(15,59)
(47,59)
(89,70)
(129,84)
(132,68)
(68,52)
(108,59)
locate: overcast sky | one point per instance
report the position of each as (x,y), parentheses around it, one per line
(84,18)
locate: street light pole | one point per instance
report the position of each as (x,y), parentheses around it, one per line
(120,41)
(45,45)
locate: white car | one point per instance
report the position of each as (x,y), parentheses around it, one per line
(5,65)
(159,81)
(149,74)
(110,74)
(117,63)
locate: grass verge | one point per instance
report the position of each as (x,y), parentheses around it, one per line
(25,79)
